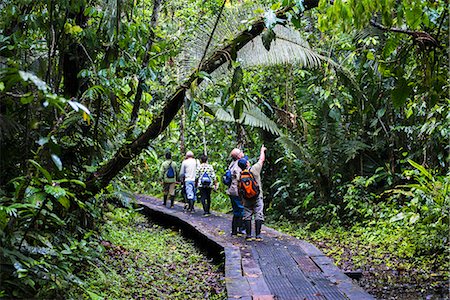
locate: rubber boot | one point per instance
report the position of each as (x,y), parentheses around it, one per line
(258,224)
(234,225)
(165,200)
(248,229)
(172,200)
(240,226)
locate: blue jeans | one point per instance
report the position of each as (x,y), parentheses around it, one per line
(190,190)
(238,207)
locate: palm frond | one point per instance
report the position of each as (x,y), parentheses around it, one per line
(225,115)
(254,117)
(291,145)
(288,47)
(230,24)
(251,116)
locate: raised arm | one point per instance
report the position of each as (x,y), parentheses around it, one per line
(262,155)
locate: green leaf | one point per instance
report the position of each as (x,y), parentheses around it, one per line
(93,295)
(27,98)
(267,37)
(55,191)
(238,108)
(414,218)
(400,93)
(57,161)
(2,86)
(381,112)
(64,202)
(421,169)
(398,217)
(204,75)
(236,82)
(43,171)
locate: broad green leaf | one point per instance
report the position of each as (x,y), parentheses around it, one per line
(43,171)
(238,75)
(398,217)
(400,93)
(414,218)
(57,161)
(421,169)
(64,202)
(55,191)
(267,37)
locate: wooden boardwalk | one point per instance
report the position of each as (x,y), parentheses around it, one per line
(280,267)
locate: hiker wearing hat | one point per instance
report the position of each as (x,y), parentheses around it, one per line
(187,176)
(250,191)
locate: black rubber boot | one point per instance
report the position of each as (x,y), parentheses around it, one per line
(258,224)
(248,229)
(240,226)
(165,200)
(172,200)
(234,225)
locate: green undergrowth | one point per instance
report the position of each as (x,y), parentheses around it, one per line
(146,261)
(396,261)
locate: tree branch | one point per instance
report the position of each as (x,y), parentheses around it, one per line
(422,38)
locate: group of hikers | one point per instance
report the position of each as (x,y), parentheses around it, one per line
(242,179)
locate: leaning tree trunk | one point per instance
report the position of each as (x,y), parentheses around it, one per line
(101,178)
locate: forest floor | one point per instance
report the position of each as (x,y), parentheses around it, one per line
(143,260)
(387,274)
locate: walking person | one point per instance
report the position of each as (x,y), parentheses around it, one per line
(187,177)
(206,180)
(250,189)
(233,193)
(168,175)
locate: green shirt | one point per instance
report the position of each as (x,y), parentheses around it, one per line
(163,171)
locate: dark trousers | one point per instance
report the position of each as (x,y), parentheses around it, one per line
(205,198)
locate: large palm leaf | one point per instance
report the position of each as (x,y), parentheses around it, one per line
(251,116)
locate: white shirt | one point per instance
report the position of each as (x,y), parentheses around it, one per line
(188,169)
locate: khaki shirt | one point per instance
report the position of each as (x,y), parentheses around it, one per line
(256,171)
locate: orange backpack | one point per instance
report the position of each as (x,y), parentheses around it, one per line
(248,187)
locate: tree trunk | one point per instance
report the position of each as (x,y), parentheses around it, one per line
(141,82)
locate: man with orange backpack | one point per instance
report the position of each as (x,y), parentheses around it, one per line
(250,191)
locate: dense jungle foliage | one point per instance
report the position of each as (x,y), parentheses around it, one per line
(350,97)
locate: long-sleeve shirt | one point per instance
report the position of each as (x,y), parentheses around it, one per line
(209,170)
(235,174)
(163,171)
